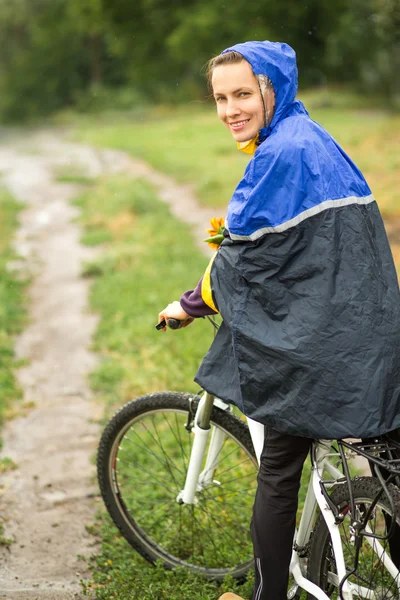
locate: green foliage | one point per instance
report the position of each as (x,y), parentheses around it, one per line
(52,52)
(99,98)
(96,54)
(212,27)
(12,311)
(374,65)
(31,68)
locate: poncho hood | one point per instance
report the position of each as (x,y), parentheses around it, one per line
(277,60)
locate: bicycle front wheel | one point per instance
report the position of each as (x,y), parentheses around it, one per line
(372,579)
(142,464)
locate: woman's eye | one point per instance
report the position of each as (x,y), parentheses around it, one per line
(219,98)
(244,94)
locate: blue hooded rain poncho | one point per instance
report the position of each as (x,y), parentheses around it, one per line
(304,281)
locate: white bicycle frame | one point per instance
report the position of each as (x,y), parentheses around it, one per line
(197,479)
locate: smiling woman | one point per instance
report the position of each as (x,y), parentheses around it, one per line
(245,102)
(305,283)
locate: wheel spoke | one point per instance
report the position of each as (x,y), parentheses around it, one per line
(208,533)
(234,466)
(223,528)
(162,482)
(179,440)
(166,456)
(146,449)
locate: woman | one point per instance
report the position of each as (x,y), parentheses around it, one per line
(307,289)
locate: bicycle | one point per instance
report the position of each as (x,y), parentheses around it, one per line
(177,473)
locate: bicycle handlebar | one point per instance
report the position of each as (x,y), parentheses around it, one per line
(172,324)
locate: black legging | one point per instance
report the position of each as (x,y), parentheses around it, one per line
(274,512)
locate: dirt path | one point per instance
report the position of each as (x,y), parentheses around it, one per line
(47,501)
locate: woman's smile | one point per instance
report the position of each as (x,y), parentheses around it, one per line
(239,125)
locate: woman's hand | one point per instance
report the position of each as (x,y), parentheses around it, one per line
(175,311)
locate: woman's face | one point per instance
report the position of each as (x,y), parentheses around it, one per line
(238,100)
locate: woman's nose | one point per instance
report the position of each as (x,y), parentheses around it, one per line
(232,108)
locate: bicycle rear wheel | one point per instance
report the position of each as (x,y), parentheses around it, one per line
(142,463)
(371,573)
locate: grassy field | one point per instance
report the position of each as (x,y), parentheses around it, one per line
(148,260)
(12,312)
(190,143)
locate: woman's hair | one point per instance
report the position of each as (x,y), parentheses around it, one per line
(230,58)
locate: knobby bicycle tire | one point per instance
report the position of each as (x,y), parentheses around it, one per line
(141,464)
(371,572)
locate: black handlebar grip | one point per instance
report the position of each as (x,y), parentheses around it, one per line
(172,324)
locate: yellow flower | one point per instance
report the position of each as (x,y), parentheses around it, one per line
(215,232)
(217,226)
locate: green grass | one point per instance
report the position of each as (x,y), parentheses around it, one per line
(190,143)
(147,260)
(4,541)
(72,174)
(121,574)
(7,464)
(12,312)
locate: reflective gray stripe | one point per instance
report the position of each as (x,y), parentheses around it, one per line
(310,212)
(260,587)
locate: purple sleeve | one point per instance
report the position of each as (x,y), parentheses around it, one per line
(193,303)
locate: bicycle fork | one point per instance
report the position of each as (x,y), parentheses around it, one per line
(196,479)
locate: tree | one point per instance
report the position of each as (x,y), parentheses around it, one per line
(44,63)
(365,48)
(54,51)
(90,23)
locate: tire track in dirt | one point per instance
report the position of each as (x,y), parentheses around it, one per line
(46,502)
